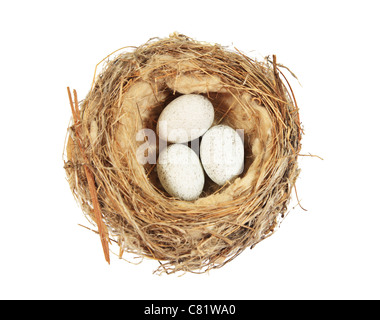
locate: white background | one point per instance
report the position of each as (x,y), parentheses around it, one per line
(330,251)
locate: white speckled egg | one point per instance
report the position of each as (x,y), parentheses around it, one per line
(180,172)
(222,154)
(185,118)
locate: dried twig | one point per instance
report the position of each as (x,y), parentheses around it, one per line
(90,177)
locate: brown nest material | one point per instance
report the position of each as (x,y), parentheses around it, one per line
(125,198)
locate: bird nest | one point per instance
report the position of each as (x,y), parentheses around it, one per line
(125,199)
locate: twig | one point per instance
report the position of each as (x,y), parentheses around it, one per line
(310,155)
(299,203)
(90,179)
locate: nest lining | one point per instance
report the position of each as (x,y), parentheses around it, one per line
(138,214)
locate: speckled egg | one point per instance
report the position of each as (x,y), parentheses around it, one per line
(185,118)
(222,154)
(180,172)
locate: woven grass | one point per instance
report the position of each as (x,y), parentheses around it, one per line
(124,198)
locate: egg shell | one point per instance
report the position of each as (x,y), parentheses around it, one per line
(185,118)
(180,172)
(222,154)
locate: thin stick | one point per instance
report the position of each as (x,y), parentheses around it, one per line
(91,181)
(310,155)
(276,76)
(76,104)
(72,106)
(298,200)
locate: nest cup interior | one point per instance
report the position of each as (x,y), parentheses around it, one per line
(140,216)
(145,100)
(224,104)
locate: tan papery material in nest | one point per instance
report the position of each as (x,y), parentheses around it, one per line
(125,199)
